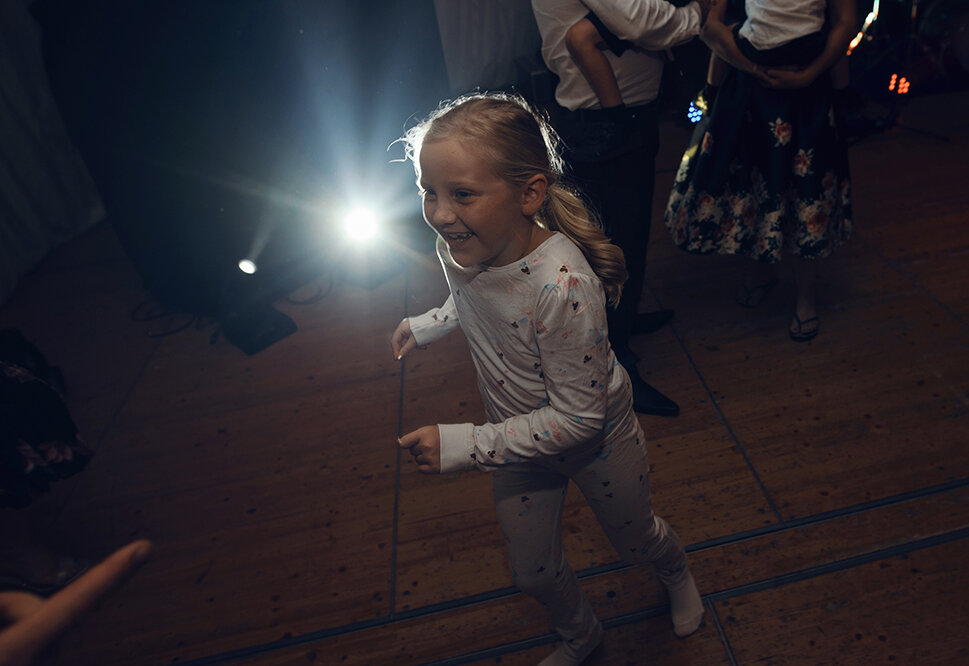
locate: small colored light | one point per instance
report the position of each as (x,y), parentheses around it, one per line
(855,42)
(863,33)
(694,113)
(247,266)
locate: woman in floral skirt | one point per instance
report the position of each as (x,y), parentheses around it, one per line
(766,173)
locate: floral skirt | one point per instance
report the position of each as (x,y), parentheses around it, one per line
(38,440)
(765,173)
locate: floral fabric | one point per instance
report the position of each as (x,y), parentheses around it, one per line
(765,174)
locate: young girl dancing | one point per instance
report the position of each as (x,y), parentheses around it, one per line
(529,272)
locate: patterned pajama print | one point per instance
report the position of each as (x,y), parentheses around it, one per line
(559,407)
(615,482)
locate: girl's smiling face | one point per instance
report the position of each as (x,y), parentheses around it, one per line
(483,218)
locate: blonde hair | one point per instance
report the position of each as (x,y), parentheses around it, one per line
(520,143)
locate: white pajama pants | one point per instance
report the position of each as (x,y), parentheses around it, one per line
(615,481)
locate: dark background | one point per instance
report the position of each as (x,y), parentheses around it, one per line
(207,123)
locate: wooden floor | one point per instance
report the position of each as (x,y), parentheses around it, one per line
(822,489)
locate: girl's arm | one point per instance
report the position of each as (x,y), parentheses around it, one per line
(653,25)
(584,44)
(575,365)
(719,37)
(428,327)
(841,14)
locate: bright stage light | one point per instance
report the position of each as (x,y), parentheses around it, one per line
(361,224)
(247,266)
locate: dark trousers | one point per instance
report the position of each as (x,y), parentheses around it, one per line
(620,188)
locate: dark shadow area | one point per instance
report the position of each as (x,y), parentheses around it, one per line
(217,129)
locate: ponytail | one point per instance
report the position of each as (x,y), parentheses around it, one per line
(566,212)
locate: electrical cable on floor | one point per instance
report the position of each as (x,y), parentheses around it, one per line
(155,311)
(151,310)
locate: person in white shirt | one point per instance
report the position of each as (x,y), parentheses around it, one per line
(611,151)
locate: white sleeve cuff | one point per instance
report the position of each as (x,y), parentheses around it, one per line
(422,327)
(433,324)
(457,446)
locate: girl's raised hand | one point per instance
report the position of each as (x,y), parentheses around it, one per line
(425,445)
(402,341)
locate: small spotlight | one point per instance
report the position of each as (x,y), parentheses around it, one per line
(247,266)
(361,224)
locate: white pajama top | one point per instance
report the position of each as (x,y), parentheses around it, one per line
(538,337)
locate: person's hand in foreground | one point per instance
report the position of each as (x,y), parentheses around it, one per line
(31,623)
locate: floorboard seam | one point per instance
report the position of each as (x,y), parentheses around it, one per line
(723,417)
(401,367)
(895,266)
(712,609)
(730,593)
(493,595)
(826,516)
(839,565)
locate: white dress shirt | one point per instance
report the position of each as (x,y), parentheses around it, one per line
(652,25)
(773,23)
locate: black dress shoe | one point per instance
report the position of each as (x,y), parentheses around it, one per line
(647,400)
(650,322)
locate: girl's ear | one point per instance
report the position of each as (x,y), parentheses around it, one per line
(533,194)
